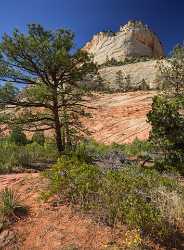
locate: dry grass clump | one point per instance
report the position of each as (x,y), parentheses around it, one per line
(11,207)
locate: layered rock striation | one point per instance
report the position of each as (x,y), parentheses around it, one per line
(132,40)
(119,117)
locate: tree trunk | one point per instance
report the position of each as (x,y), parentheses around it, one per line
(58,134)
(59,143)
(67,131)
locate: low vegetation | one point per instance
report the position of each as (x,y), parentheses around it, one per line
(123,84)
(113,62)
(17,153)
(11,207)
(138,197)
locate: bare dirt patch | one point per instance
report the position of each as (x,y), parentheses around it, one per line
(48,227)
(61,227)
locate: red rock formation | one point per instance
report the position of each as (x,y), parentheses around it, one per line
(120,118)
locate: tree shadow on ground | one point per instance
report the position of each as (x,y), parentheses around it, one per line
(175,240)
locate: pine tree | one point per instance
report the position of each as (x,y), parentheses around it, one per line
(48,70)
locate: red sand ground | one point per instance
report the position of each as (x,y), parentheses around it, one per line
(49,227)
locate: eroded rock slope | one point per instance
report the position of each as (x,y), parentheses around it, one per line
(120,118)
(132,40)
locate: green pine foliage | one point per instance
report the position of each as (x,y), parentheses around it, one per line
(166,116)
(113,62)
(49,68)
(167,133)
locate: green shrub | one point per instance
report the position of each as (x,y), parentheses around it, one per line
(138,148)
(10,205)
(89,149)
(167,133)
(78,180)
(24,157)
(41,153)
(8,159)
(39,138)
(18,137)
(14,156)
(131,195)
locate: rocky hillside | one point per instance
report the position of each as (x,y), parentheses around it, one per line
(119,117)
(132,40)
(149,71)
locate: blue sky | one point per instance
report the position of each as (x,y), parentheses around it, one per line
(86,17)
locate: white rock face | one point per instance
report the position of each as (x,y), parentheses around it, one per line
(149,71)
(133,40)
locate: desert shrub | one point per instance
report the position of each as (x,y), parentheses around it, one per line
(70,247)
(127,199)
(140,198)
(24,157)
(138,148)
(14,156)
(39,138)
(42,152)
(18,137)
(8,158)
(10,205)
(89,149)
(118,146)
(170,204)
(104,156)
(78,180)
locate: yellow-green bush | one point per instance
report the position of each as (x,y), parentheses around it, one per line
(128,196)
(77,180)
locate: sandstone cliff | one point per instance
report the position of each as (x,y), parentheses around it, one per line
(149,71)
(133,40)
(119,117)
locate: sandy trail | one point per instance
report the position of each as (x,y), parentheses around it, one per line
(10,180)
(48,227)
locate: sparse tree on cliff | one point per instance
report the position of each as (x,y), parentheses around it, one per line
(44,64)
(123,81)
